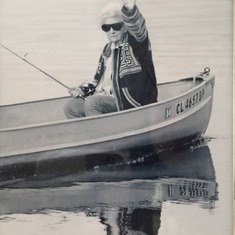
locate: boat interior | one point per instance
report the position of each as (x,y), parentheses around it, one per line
(51,110)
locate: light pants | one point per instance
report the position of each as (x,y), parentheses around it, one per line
(93,105)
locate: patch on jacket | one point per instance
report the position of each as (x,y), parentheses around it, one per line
(129,64)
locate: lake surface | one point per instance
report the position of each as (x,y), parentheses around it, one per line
(181,191)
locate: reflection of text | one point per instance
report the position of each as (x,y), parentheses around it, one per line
(189,190)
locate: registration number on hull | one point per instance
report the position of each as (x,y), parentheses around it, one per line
(190,101)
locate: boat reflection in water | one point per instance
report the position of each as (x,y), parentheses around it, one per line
(127,197)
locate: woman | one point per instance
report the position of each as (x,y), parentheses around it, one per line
(135,84)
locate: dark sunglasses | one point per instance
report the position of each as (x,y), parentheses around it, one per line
(116,26)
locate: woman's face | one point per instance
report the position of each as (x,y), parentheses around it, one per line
(114,33)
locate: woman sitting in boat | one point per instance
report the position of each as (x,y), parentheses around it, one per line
(135,84)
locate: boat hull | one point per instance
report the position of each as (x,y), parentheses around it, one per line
(185,116)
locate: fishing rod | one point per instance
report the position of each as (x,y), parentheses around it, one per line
(62,84)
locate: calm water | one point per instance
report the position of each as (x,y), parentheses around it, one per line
(184,191)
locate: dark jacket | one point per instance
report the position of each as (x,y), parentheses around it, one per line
(136,83)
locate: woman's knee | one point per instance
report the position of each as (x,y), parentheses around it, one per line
(74,108)
(99,104)
(91,107)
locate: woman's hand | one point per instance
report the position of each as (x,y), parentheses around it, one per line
(76,92)
(129,4)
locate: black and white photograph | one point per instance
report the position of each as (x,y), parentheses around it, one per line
(116,117)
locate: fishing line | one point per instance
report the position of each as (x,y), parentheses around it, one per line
(62,84)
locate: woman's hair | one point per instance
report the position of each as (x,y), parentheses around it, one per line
(111,10)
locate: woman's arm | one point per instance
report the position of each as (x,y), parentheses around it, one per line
(134,20)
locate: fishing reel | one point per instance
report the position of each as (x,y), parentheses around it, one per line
(87,88)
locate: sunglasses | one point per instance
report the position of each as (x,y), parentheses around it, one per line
(116,26)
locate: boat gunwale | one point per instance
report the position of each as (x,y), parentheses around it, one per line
(64,97)
(44,124)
